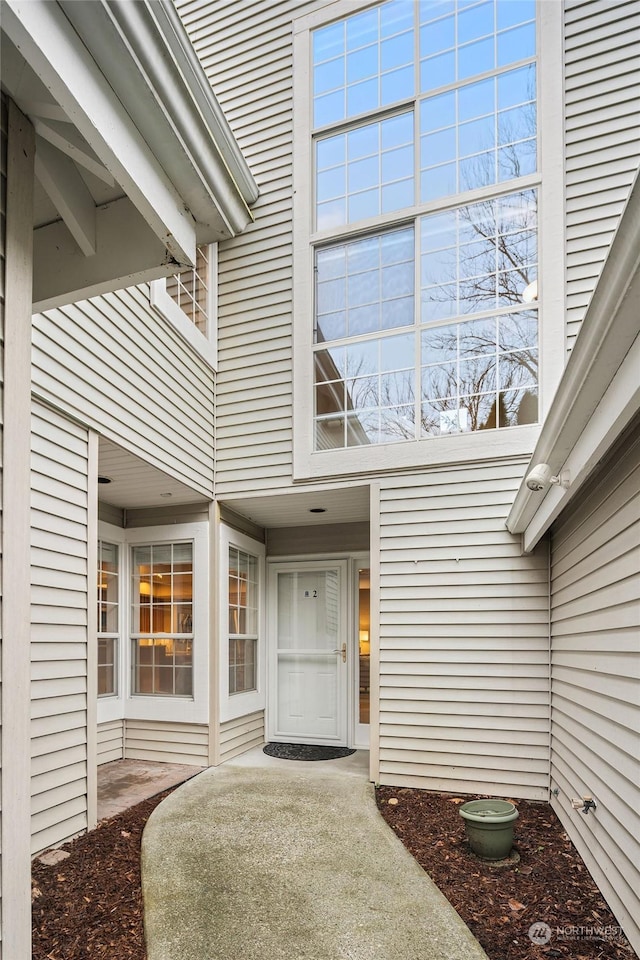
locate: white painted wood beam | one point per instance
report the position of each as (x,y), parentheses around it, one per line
(66,145)
(16,485)
(128,253)
(40,108)
(70,195)
(48,42)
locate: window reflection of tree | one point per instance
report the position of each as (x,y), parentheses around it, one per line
(491,376)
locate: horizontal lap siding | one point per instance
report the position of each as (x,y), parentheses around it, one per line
(166,742)
(464,677)
(602,135)
(110,741)
(595,681)
(59,570)
(114,363)
(246,50)
(242,734)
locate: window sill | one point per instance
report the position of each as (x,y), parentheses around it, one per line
(408,455)
(167,308)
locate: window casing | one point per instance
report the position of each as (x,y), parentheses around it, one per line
(474,154)
(108,617)
(243,621)
(162,620)
(241,628)
(188,300)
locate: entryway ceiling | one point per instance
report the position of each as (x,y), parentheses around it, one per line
(346,504)
(136,484)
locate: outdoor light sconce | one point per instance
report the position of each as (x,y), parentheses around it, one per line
(542,476)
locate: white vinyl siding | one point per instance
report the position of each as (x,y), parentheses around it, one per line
(595,624)
(166,742)
(464,677)
(602,130)
(134,379)
(60,566)
(246,50)
(241,734)
(110,741)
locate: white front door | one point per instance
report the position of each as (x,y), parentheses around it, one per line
(308,702)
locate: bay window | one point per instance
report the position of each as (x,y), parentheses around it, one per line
(425,221)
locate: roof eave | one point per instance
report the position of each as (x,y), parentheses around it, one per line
(610,326)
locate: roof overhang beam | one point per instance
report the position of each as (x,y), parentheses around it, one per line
(51,46)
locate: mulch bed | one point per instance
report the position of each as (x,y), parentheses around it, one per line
(89,906)
(549,884)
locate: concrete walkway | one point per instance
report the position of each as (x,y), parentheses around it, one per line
(265,859)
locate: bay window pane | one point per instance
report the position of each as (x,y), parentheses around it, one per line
(162,605)
(243,620)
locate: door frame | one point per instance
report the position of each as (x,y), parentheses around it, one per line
(345,703)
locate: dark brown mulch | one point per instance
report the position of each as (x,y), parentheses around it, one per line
(89,906)
(550,883)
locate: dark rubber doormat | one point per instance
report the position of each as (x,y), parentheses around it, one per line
(306,751)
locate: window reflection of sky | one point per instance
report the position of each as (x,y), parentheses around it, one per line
(443,373)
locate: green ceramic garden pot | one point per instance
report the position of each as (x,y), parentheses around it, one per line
(489,827)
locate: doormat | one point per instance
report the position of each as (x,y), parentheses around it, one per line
(306,751)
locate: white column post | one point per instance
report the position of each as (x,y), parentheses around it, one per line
(16,612)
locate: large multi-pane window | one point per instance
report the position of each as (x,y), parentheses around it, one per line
(108,618)
(162,619)
(425,221)
(243,621)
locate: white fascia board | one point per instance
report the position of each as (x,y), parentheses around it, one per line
(609,329)
(144,52)
(51,46)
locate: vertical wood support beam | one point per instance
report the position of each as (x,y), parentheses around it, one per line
(16,613)
(215,600)
(92,632)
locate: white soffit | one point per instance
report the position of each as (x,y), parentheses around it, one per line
(346,504)
(136,484)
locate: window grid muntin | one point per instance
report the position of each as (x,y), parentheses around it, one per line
(498,69)
(242,621)
(162,659)
(189,289)
(108,617)
(381,80)
(494,157)
(338,421)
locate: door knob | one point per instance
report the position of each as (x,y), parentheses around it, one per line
(343,651)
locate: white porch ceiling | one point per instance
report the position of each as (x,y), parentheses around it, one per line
(346,504)
(136,484)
